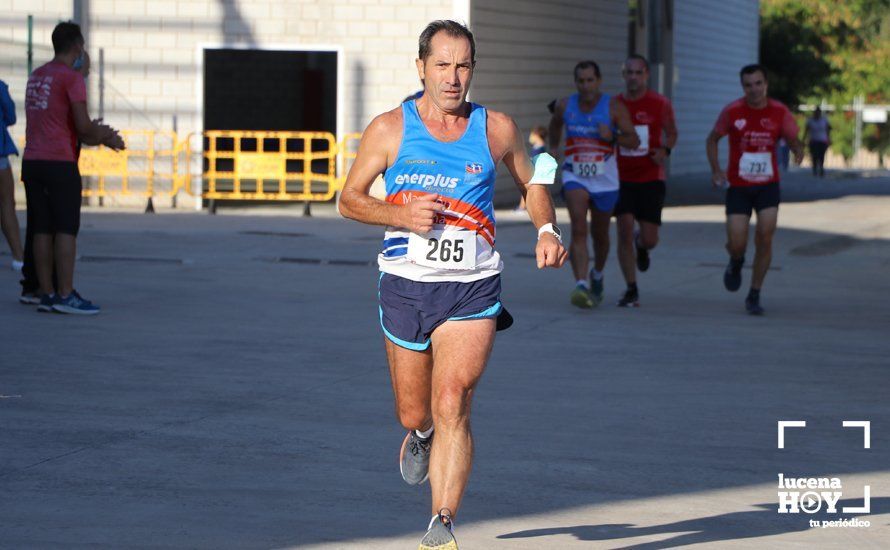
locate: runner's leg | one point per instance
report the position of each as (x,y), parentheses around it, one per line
(460,353)
(626,254)
(737,234)
(577,202)
(411,373)
(648,238)
(599,229)
(767,220)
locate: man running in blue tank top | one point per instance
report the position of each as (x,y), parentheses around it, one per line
(594,122)
(439,290)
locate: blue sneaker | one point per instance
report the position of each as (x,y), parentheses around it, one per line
(47,301)
(597,290)
(75,304)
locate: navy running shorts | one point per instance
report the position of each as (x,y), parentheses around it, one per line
(410,311)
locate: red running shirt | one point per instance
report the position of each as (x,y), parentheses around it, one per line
(49,132)
(650,113)
(753,134)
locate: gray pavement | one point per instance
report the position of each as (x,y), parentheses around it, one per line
(233,393)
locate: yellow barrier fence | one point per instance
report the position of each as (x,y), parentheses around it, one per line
(148,167)
(268,166)
(221,165)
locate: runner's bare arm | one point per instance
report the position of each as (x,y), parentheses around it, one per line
(554,132)
(790,132)
(670,131)
(718,177)
(669,127)
(377,150)
(627,136)
(506,144)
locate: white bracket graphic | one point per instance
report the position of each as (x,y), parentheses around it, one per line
(866,501)
(866,432)
(788,424)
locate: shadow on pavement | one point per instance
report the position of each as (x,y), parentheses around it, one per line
(725,527)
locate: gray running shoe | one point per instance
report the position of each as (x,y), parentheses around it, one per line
(414,458)
(439,535)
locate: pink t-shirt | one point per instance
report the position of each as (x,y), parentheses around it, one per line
(49,131)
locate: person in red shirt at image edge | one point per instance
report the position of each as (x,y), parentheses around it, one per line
(754,124)
(642,174)
(56,114)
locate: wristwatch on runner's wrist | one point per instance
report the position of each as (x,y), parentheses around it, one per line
(552,229)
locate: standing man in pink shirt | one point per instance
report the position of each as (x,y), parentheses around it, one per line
(56,117)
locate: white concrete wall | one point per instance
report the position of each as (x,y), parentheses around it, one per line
(14,49)
(526,51)
(153,62)
(712,42)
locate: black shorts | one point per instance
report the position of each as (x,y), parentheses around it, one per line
(644,200)
(742,200)
(53,189)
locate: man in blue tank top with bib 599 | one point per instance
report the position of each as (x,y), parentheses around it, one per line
(439,290)
(594,123)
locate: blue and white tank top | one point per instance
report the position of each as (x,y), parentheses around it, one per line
(461,245)
(589,159)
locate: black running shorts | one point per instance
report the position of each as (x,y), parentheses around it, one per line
(742,200)
(53,190)
(644,200)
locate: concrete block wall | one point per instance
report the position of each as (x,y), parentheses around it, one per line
(14,50)
(153,61)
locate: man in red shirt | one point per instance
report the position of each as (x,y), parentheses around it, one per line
(754,123)
(56,115)
(641,197)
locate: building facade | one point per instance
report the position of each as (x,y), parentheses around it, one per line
(332,65)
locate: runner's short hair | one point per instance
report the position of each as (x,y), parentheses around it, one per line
(751,69)
(638,57)
(540,131)
(66,35)
(451,28)
(587,65)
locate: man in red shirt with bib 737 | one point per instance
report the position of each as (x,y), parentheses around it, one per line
(754,124)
